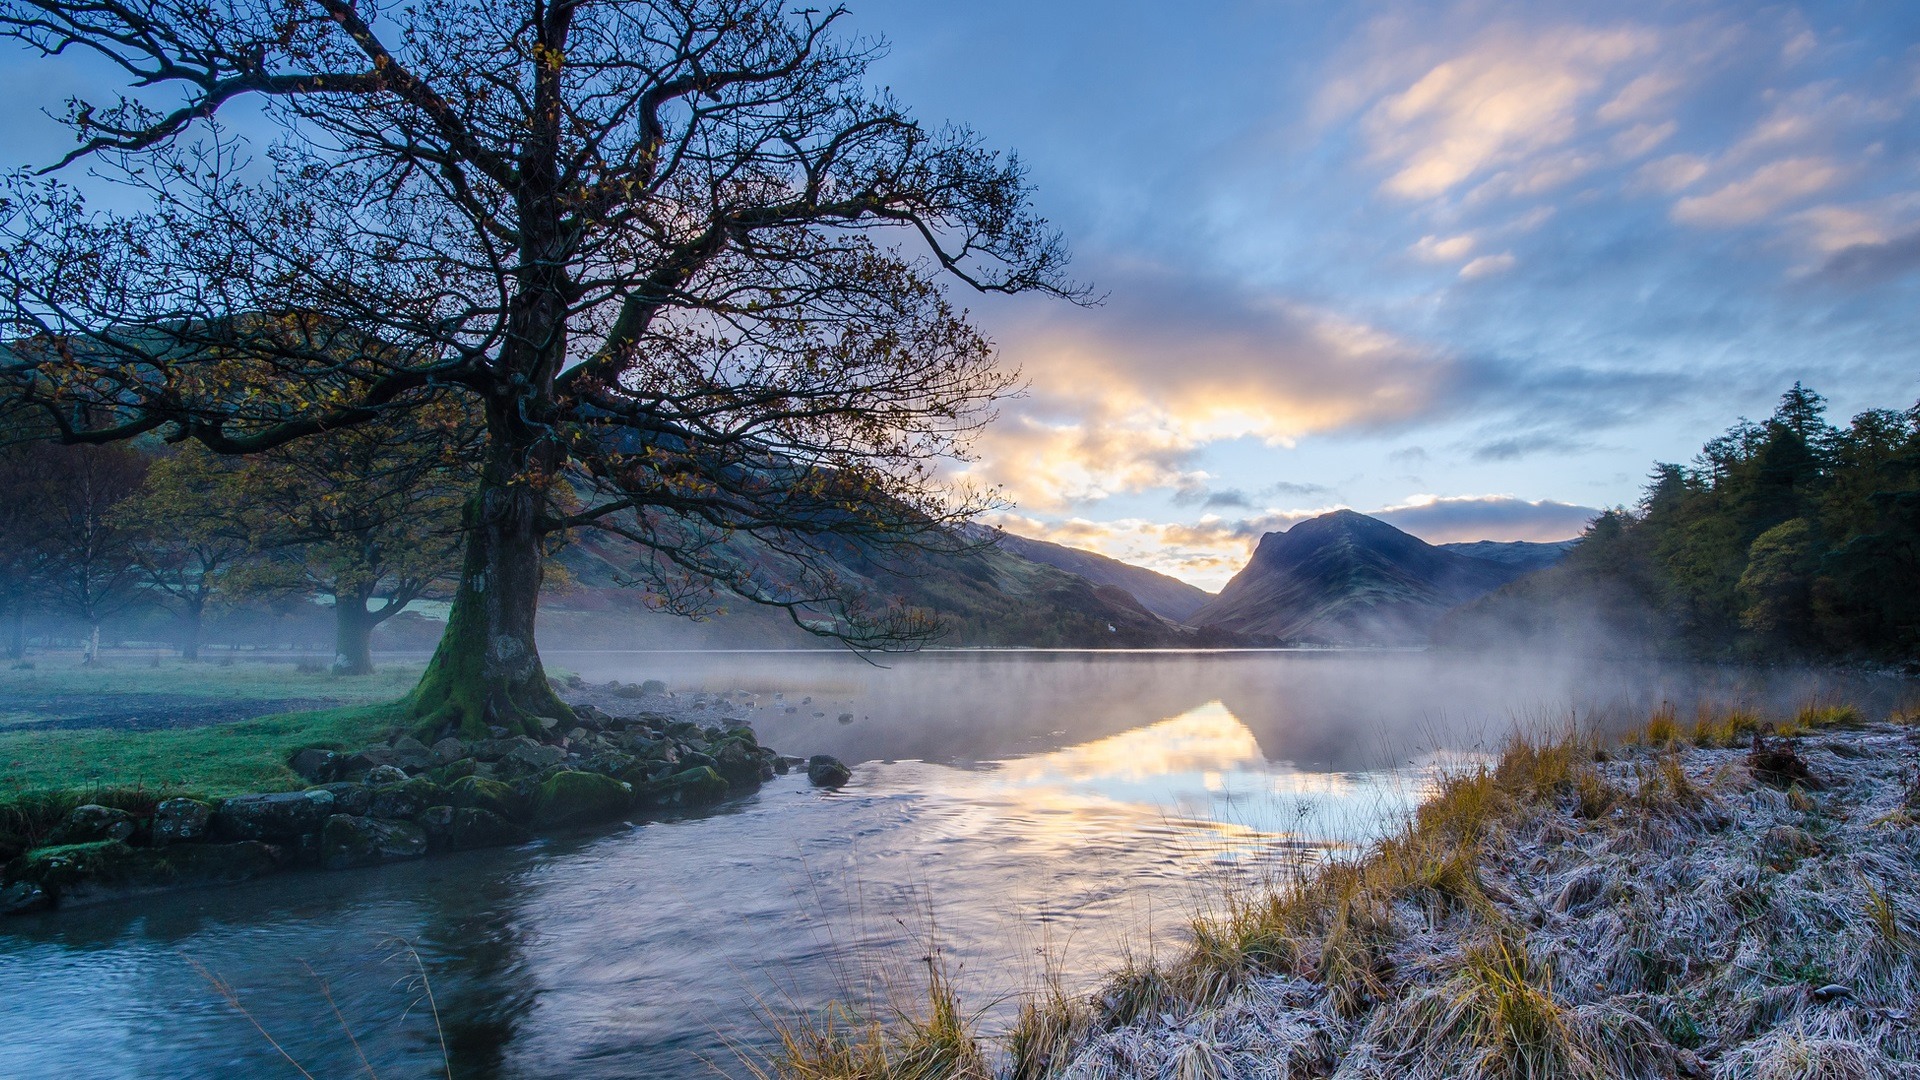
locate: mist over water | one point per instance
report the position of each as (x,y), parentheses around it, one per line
(1006,808)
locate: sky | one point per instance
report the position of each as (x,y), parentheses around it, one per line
(1471,267)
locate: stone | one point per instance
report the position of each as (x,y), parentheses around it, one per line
(1833,992)
(349,797)
(828,772)
(347,842)
(653,686)
(371,757)
(685,790)
(404,801)
(412,755)
(22,898)
(467,828)
(316,766)
(738,763)
(579,798)
(477,793)
(382,775)
(91,822)
(180,821)
(281,818)
(532,757)
(449,750)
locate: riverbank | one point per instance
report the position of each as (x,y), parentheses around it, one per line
(1682,906)
(94,816)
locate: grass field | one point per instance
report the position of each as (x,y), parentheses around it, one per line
(221,759)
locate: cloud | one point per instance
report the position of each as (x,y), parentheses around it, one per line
(1452,519)
(1123,398)
(1870,262)
(1502,100)
(1515,447)
(1675,172)
(1487,264)
(1766,190)
(1443,249)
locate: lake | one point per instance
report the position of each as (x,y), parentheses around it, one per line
(1013,812)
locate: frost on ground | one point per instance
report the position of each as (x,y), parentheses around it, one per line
(1671,912)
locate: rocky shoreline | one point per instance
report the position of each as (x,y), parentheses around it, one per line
(400,800)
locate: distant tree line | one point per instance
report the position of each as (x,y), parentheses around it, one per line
(1788,537)
(365,520)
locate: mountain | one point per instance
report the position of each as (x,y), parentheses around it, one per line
(1165,596)
(1348,579)
(1523,553)
(985,595)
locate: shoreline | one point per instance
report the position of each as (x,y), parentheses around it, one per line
(390,801)
(1689,904)
(1668,910)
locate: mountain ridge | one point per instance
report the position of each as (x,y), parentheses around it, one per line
(1345,578)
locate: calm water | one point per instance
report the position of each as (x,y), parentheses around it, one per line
(1011,810)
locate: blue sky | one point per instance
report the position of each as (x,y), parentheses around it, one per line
(1471,266)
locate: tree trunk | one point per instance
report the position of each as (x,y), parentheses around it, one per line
(190,634)
(17,642)
(352,636)
(92,652)
(487,671)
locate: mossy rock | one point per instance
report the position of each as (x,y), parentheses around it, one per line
(347,842)
(739,762)
(465,828)
(404,801)
(111,869)
(88,823)
(687,789)
(579,798)
(480,793)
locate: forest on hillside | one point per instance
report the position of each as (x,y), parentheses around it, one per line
(1787,538)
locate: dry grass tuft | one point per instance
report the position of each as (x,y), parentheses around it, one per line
(935,1042)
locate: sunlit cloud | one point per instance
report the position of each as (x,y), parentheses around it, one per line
(1760,194)
(1487,264)
(1123,398)
(1506,98)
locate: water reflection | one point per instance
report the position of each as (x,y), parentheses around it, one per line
(1003,805)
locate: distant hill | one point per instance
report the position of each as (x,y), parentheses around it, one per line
(985,596)
(1344,578)
(1166,596)
(1521,553)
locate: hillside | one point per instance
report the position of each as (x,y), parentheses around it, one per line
(1165,596)
(1522,553)
(985,596)
(1344,578)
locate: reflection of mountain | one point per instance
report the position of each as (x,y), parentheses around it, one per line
(1165,596)
(1206,739)
(1348,579)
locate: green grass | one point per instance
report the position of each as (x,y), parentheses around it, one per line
(225,759)
(244,678)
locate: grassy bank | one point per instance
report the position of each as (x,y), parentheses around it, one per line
(1673,907)
(45,773)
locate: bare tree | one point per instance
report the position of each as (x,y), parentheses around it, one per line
(89,565)
(686,261)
